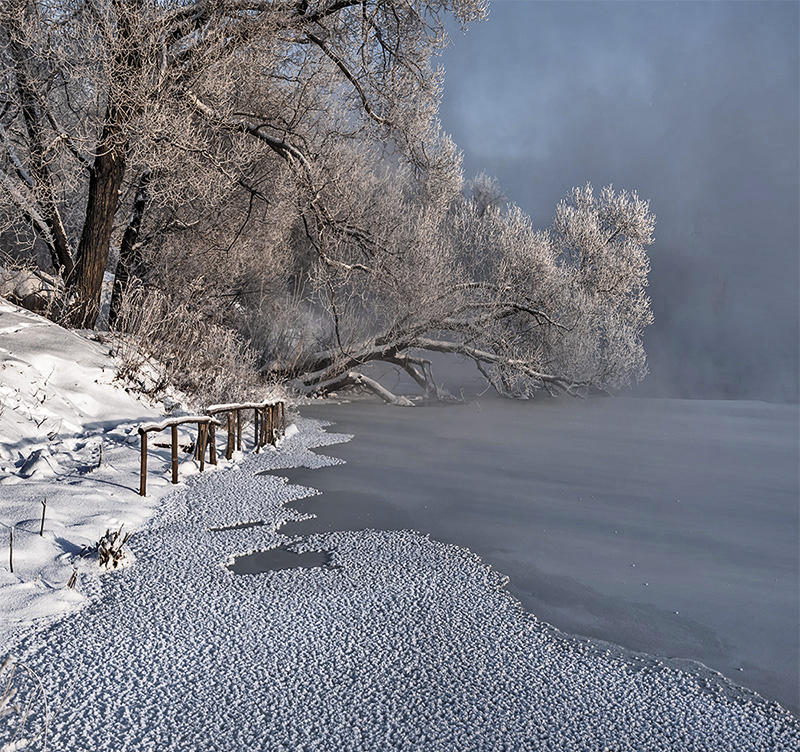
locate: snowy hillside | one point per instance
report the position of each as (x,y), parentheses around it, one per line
(67,436)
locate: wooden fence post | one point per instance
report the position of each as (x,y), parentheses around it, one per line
(272,424)
(201,444)
(269,424)
(143,465)
(174,430)
(212,442)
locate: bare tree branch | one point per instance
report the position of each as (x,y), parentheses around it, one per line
(350,77)
(354,379)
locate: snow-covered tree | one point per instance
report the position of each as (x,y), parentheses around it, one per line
(561,309)
(270,182)
(109,104)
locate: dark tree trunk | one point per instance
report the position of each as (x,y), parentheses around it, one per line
(105,181)
(130,263)
(108,169)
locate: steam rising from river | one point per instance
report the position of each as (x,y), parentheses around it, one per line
(695,105)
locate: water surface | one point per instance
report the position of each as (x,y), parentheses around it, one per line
(666,526)
(272,559)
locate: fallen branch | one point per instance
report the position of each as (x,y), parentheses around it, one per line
(354,379)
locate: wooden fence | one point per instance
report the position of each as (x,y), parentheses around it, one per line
(269,424)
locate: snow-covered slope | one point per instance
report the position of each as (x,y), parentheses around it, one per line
(67,436)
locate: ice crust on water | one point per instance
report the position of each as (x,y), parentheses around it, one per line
(407,643)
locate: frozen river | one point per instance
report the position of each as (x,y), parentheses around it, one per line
(391,640)
(665,526)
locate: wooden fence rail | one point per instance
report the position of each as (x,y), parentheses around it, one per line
(269,424)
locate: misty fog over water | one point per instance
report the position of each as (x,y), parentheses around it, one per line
(695,105)
(665,526)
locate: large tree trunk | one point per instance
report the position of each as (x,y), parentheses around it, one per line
(108,169)
(105,181)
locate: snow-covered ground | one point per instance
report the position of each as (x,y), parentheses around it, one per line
(397,642)
(68,437)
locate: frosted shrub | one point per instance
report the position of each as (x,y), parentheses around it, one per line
(161,342)
(109,548)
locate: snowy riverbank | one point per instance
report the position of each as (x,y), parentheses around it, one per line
(398,641)
(67,437)
(402,642)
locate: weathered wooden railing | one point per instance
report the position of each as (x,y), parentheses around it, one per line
(269,422)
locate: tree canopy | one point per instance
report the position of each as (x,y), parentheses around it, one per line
(273,176)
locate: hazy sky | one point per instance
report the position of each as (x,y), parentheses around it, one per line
(695,105)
